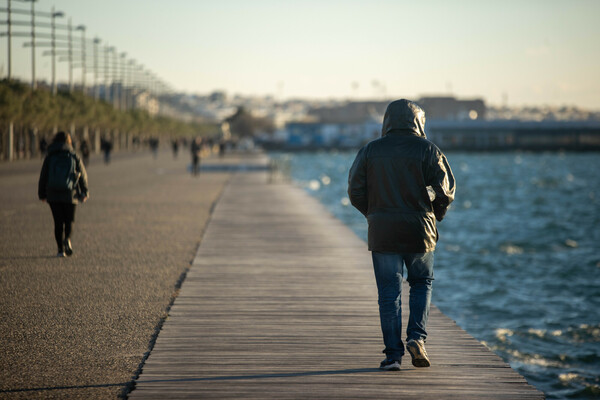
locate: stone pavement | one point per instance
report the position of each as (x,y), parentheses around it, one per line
(80,327)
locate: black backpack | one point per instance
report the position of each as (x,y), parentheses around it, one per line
(62,171)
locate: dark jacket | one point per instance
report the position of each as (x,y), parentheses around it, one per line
(388,183)
(55,196)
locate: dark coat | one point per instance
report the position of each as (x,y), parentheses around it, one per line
(389,180)
(68,196)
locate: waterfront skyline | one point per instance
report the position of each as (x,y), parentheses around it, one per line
(515,53)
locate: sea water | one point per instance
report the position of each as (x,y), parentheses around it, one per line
(518,260)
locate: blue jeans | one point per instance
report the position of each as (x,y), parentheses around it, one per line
(388,275)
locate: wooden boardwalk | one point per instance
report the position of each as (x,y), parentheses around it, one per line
(281,303)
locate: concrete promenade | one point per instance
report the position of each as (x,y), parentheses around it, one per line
(79,327)
(280,303)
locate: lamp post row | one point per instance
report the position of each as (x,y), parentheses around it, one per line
(130,74)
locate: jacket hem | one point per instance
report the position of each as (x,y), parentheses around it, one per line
(418,250)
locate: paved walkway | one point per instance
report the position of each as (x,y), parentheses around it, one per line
(280,303)
(79,327)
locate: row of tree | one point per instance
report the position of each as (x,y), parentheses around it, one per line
(23,111)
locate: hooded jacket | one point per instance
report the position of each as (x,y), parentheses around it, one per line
(54,196)
(389,180)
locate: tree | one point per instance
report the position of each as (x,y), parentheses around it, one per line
(11,101)
(244,124)
(27,108)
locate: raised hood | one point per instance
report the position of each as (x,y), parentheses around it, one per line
(405,117)
(59,146)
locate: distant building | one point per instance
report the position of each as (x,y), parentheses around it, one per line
(436,108)
(307,135)
(356,112)
(218,97)
(352,124)
(501,135)
(145,101)
(452,109)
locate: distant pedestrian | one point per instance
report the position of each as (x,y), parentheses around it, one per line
(196,152)
(175,147)
(154,146)
(63,183)
(135,143)
(43,146)
(85,152)
(389,184)
(106,147)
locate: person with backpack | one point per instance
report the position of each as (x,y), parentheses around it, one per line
(63,184)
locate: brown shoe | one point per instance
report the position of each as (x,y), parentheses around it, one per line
(416,348)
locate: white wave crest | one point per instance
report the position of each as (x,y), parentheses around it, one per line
(503,333)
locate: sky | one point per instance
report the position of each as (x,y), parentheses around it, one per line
(513,52)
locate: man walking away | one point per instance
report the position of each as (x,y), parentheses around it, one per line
(63,183)
(388,183)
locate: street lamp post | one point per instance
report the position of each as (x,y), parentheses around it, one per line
(70,55)
(34,35)
(138,83)
(83,69)
(115,97)
(33,82)
(8,21)
(53,44)
(107,49)
(123,104)
(10,139)
(131,84)
(96,87)
(9,33)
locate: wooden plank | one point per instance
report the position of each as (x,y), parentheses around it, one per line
(281,303)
